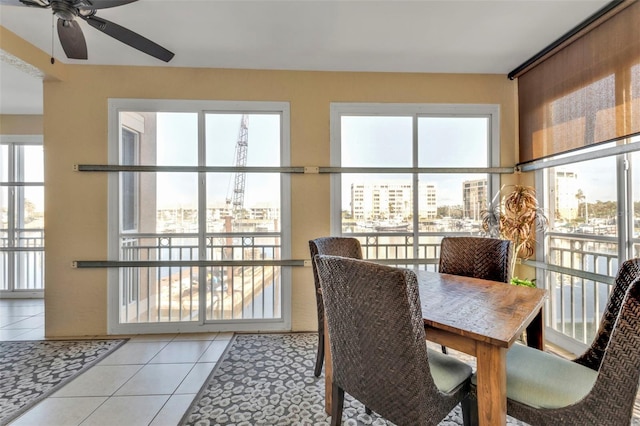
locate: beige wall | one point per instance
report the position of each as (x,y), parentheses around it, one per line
(20,124)
(75,132)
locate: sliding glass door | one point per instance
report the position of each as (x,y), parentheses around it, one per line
(200,213)
(21,216)
(592,201)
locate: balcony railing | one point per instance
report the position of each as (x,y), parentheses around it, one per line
(579,275)
(172,293)
(22,260)
(579,279)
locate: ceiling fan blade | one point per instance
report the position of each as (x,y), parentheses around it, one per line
(103,4)
(129,37)
(36,3)
(72,39)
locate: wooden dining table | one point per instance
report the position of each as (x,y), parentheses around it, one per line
(481,318)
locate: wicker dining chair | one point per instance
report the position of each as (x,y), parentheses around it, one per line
(597,388)
(336,246)
(378,347)
(477,257)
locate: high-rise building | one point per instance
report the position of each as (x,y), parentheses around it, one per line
(474,198)
(566,191)
(391,200)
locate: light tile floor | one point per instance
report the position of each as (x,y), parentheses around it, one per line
(150,380)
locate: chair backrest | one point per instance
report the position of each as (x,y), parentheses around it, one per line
(611,399)
(617,383)
(333,246)
(377,337)
(477,257)
(628,273)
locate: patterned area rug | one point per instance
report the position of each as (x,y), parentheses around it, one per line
(267,379)
(32,370)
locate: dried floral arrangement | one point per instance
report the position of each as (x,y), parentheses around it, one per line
(517,218)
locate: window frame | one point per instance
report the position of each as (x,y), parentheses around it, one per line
(16,184)
(416,111)
(625,238)
(202,108)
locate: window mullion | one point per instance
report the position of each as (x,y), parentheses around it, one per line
(416,190)
(202,218)
(19,194)
(624,197)
(12,197)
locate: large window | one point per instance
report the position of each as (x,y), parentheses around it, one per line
(21,215)
(579,121)
(202,213)
(411,174)
(591,198)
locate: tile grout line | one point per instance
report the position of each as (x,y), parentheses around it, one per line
(175,338)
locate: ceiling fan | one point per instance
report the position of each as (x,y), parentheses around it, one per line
(71,36)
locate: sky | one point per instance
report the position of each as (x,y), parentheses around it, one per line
(373,141)
(33,163)
(442,142)
(178,146)
(598,177)
(366,142)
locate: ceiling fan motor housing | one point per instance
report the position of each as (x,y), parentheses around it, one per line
(63,10)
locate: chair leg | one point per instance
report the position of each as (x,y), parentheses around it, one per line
(469,411)
(320,355)
(337,401)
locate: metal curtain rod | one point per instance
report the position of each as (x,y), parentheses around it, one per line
(564,38)
(92,264)
(575,154)
(305,169)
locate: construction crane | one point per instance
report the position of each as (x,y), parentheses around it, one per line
(235,205)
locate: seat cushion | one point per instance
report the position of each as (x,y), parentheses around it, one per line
(543,380)
(448,373)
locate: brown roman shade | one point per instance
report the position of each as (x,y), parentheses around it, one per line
(586,91)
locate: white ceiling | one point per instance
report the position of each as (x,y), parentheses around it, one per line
(450,36)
